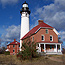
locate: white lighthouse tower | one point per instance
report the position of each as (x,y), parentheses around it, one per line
(25,12)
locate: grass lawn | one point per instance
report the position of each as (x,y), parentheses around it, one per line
(43,60)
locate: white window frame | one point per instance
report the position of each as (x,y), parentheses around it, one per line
(52,38)
(43,36)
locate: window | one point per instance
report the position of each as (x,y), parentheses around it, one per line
(42,37)
(46,31)
(50,47)
(13,46)
(58,47)
(13,50)
(16,42)
(54,46)
(32,38)
(51,38)
(38,45)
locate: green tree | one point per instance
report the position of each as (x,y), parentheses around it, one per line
(29,49)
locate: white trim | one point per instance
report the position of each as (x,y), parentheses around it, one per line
(7,50)
(49,43)
(56,47)
(44,28)
(44,47)
(55,31)
(38,30)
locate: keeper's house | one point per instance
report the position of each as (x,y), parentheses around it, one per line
(47,38)
(13,47)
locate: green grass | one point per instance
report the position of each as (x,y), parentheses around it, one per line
(43,60)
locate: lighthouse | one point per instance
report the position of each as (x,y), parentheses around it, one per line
(25,12)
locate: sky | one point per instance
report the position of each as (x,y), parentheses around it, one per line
(51,12)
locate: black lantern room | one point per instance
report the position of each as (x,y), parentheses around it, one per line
(25,8)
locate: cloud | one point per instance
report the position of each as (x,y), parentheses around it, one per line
(13,32)
(5,2)
(53,14)
(62,34)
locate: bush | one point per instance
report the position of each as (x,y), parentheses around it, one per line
(29,50)
(63,50)
(7,53)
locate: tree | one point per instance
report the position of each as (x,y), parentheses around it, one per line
(29,49)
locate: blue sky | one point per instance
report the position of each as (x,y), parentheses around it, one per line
(51,11)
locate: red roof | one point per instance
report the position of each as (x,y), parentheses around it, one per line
(32,31)
(14,43)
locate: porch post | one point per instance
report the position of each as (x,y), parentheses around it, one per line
(40,47)
(56,47)
(44,47)
(60,47)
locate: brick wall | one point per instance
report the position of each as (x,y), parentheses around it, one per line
(37,36)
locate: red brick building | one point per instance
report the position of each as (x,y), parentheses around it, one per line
(47,38)
(13,47)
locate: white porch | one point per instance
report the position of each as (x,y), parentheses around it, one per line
(49,48)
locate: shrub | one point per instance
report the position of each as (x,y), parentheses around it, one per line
(29,50)
(7,53)
(63,50)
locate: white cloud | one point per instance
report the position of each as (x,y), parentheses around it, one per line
(13,32)
(62,34)
(5,2)
(53,14)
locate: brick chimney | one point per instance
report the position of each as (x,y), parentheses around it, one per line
(14,39)
(40,21)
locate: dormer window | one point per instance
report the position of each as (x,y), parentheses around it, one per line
(51,38)
(16,42)
(42,37)
(46,31)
